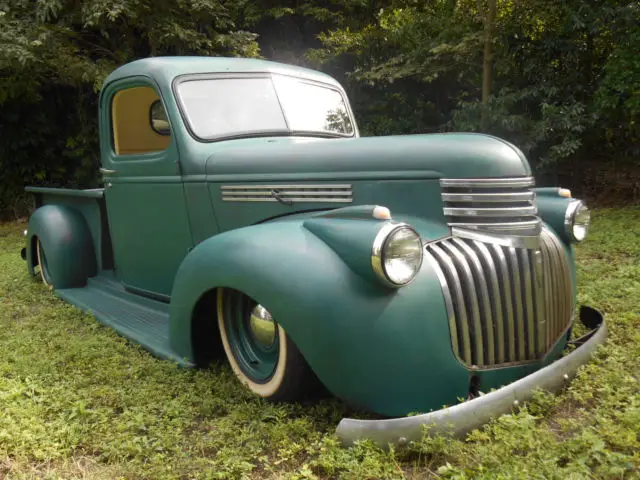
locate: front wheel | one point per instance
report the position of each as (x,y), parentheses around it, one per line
(260,352)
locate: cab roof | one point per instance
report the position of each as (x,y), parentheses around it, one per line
(166,69)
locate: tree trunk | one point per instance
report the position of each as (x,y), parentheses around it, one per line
(487,63)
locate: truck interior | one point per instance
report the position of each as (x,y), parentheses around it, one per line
(139,122)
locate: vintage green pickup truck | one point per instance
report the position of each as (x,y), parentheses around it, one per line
(242,214)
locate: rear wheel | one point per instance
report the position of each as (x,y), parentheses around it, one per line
(260,352)
(44,266)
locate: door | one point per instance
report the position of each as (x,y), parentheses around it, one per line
(144,192)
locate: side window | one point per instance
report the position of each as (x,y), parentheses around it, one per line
(139,122)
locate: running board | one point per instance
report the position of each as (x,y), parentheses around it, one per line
(140,319)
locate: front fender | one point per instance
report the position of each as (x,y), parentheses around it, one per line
(67,242)
(552,209)
(386,350)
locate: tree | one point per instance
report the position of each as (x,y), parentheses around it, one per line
(487,61)
(549,76)
(54,55)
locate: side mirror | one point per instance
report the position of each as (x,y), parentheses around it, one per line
(158,119)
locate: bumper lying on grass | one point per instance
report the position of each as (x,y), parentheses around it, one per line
(458,420)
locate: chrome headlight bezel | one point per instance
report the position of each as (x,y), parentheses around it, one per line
(574,208)
(380,243)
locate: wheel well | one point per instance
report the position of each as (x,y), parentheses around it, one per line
(34,253)
(205,336)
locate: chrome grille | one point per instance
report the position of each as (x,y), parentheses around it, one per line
(292,193)
(505,305)
(499,205)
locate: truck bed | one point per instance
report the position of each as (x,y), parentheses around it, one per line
(91,204)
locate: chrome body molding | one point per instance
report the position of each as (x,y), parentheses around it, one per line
(325,193)
(523,182)
(520,241)
(507,304)
(489,197)
(505,206)
(458,420)
(490,211)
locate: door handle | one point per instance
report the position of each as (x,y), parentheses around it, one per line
(106,171)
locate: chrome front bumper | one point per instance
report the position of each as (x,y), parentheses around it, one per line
(460,419)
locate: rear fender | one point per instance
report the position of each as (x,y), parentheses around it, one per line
(66,240)
(371,345)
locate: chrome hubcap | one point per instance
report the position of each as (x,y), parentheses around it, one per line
(262,326)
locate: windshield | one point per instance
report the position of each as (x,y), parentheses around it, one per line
(224,107)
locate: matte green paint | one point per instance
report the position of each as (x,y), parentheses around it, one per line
(412,201)
(202,217)
(408,185)
(351,239)
(162,71)
(140,319)
(90,204)
(165,69)
(457,155)
(552,208)
(66,241)
(160,229)
(146,207)
(374,347)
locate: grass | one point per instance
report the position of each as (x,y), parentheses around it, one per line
(78,401)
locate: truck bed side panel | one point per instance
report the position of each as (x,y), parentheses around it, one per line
(90,203)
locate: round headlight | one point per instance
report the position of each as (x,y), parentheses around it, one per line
(576,220)
(397,254)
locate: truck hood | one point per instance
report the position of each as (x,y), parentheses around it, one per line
(448,155)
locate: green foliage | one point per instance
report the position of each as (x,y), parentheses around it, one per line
(81,402)
(565,73)
(54,56)
(618,96)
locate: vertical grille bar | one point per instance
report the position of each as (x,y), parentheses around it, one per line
(489,267)
(453,327)
(473,310)
(507,302)
(559,311)
(558,305)
(516,294)
(483,300)
(528,309)
(549,289)
(541,312)
(562,277)
(459,311)
(505,305)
